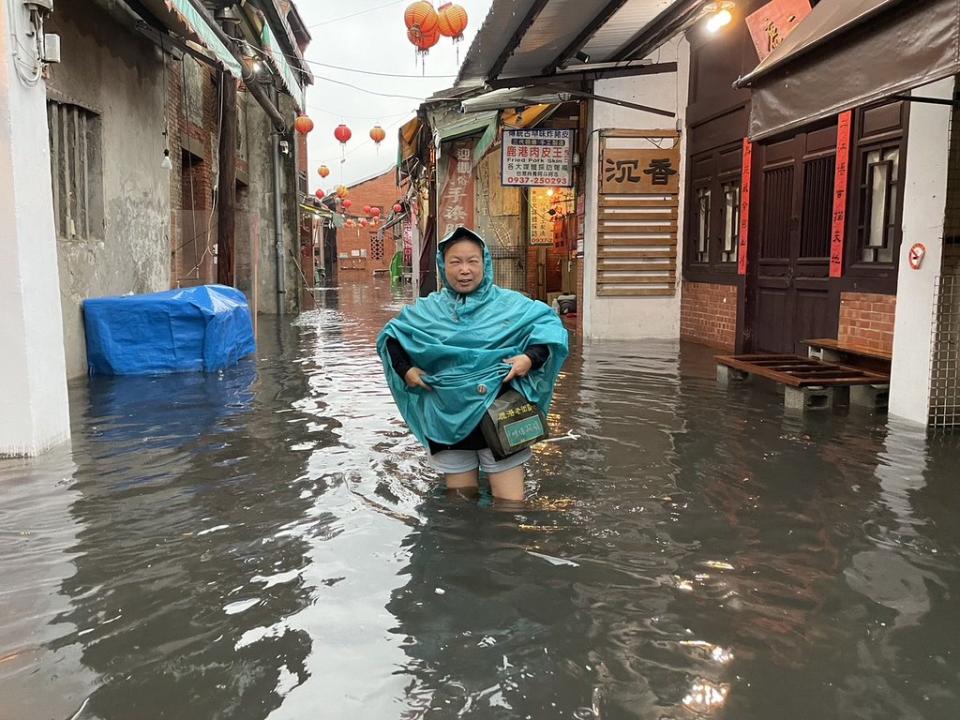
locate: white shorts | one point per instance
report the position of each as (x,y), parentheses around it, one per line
(457,462)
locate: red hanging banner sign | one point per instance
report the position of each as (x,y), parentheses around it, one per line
(840,180)
(745,207)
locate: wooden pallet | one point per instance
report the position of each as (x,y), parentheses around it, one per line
(802,372)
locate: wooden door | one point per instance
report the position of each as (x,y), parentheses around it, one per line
(793,298)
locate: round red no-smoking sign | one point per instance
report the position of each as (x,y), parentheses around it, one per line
(916,255)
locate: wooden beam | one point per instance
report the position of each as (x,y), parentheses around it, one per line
(606,228)
(669,213)
(576,78)
(636,242)
(516,39)
(628,255)
(636,292)
(665,279)
(606,267)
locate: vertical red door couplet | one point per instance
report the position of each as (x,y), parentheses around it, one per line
(745,207)
(840,186)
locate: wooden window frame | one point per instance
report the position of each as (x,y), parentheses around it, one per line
(860,276)
(715,270)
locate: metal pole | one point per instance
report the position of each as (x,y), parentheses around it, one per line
(278,221)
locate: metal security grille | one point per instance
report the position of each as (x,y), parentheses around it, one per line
(945,371)
(777,208)
(817,207)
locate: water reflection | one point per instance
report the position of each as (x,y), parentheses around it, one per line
(269,542)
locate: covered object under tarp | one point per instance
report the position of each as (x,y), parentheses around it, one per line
(200,329)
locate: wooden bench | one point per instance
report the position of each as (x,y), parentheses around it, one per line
(809,382)
(834,351)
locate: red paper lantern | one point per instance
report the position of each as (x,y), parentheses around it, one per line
(320,194)
(342,134)
(323,170)
(452,21)
(424,41)
(303,124)
(375,211)
(346,203)
(366,209)
(377,134)
(363,222)
(398,208)
(420,17)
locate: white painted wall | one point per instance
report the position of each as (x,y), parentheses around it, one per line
(33,388)
(633,318)
(925,194)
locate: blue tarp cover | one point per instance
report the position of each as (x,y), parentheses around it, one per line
(199,329)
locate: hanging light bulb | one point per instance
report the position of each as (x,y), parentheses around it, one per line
(721,14)
(166,163)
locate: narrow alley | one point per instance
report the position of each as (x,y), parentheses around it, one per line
(268,542)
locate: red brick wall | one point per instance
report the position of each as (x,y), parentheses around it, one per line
(191,192)
(381,192)
(708,314)
(866,320)
(532,271)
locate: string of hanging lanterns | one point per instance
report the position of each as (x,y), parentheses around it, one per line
(425,26)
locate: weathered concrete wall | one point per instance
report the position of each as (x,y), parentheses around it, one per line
(642,317)
(260,150)
(118,75)
(33,403)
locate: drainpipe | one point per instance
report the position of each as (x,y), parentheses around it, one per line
(278,218)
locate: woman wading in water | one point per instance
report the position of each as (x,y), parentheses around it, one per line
(450,356)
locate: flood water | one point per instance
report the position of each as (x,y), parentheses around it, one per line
(270,543)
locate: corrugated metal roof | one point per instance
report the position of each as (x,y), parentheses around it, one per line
(554,29)
(558,24)
(626,22)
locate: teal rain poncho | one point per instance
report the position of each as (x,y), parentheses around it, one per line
(461,342)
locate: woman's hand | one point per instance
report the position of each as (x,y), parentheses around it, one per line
(520,366)
(414,379)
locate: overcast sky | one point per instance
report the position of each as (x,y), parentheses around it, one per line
(374,39)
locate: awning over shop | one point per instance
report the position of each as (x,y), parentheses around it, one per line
(408,140)
(181,14)
(513,98)
(288,76)
(450,124)
(835,60)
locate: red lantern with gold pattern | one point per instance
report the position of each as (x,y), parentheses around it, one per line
(398,208)
(375,211)
(346,203)
(303,124)
(366,209)
(363,222)
(320,194)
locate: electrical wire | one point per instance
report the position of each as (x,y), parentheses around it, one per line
(361,117)
(370,92)
(271,54)
(353,15)
(378,74)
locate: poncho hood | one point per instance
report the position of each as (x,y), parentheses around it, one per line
(460,342)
